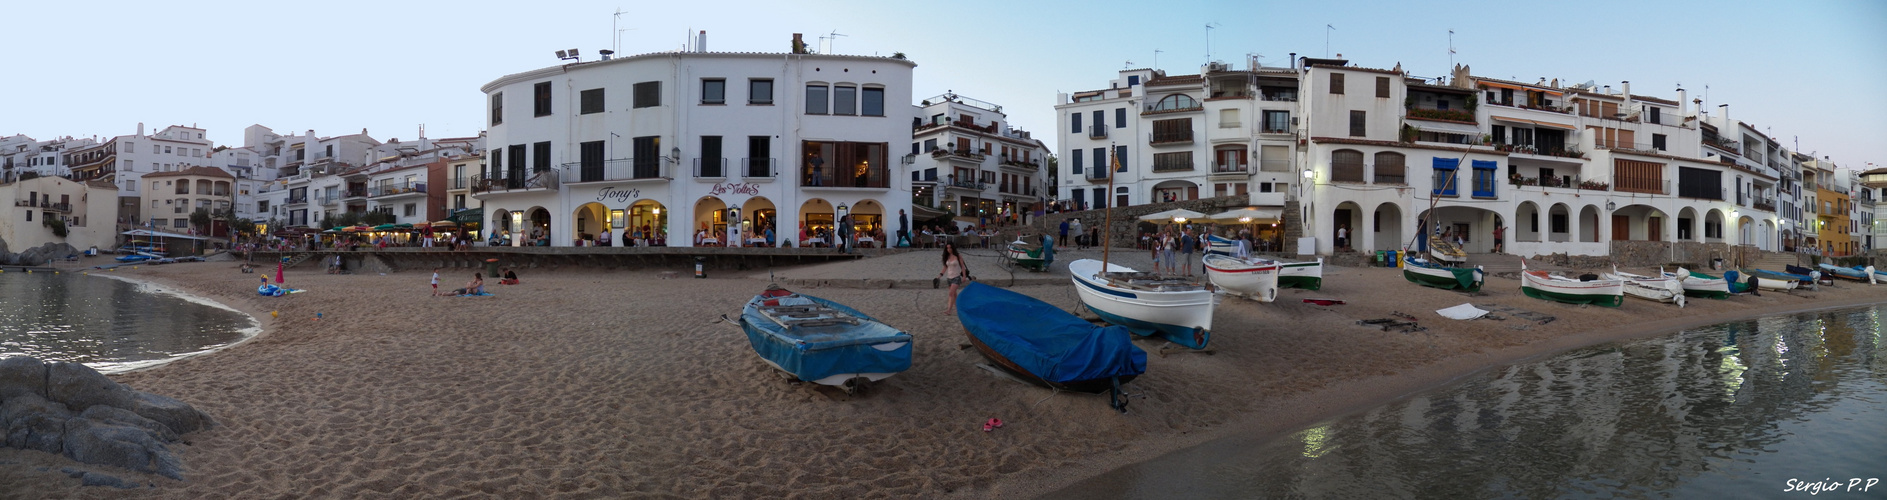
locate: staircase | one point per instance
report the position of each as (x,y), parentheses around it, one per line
(298,258)
(1495,263)
(1776,261)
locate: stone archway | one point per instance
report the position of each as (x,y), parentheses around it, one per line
(1589,224)
(1386,227)
(1528,226)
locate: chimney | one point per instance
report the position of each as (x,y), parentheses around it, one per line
(1627,89)
(1608,90)
(1683,102)
(701,41)
(1294,61)
(140,129)
(799,44)
(1724,110)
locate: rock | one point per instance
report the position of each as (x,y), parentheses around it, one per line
(81,387)
(22,375)
(96,479)
(121,416)
(33,423)
(71,472)
(176,415)
(94,442)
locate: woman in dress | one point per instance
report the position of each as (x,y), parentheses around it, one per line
(955,272)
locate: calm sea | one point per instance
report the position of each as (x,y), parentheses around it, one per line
(1777,407)
(109,324)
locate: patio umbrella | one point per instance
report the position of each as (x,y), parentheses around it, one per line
(384,227)
(1255,214)
(1172,215)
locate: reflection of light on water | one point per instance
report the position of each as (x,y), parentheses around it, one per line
(1315,441)
(1732,371)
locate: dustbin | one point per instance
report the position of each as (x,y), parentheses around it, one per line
(1391,259)
(491,267)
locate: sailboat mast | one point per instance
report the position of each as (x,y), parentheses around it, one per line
(1107,218)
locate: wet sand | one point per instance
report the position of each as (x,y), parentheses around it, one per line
(588,383)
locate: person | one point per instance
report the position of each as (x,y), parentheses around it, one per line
(1064,231)
(606,238)
(815,162)
(1167,253)
(955,272)
(904,230)
(435,282)
(1157,245)
(1343,236)
(510,277)
(1187,242)
(1499,238)
(769,235)
(1081,238)
(475,287)
(844,240)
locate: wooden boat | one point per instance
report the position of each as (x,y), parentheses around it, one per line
(1762,282)
(1174,308)
(821,341)
(1843,272)
(1252,278)
(1031,256)
(1294,274)
(1445,251)
(1655,289)
(1799,279)
(1869,270)
(1698,284)
(1428,273)
(1042,344)
(1548,286)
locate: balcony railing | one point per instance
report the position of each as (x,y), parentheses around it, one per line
(543,179)
(357,193)
(1096,174)
(1097,131)
(1280,97)
(1441,114)
(1171,165)
(1231,168)
(396,189)
(759,168)
(616,170)
(459,182)
(947,152)
(1562,111)
(967,184)
(1533,150)
(1183,137)
(1726,145)
(711,168)
(294,200)
(1764,205)
(1021,164)
(55,207)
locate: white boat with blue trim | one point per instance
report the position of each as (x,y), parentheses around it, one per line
(1178,309)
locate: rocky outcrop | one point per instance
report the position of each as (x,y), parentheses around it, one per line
(71,409)
(35,256)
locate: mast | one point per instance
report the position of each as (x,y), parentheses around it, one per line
(1107,218)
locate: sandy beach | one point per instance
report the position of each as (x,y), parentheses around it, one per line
(599,383)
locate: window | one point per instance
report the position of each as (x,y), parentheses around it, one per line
(844,100)
(166,149)
(1390,168)
(180,223)
(648,94)
(1277,122)
(1445,176)
(1657,140)
(1558,223)
(647,157)
(1274,159)
(1175,130)
(540,99)
(498,108)
(1175,102)
(1120,117)
(1382,88)
(815,99)
(1172,162)
(1655,115)
(1228,118)
(1346,165)
(1120,158)
(713,91)
(850,164)
(411,209)
(710,157)
(759,91)
(1074,122)
(1100,160)
(930,145)
(1358,122)
(1484,178)
(1075,157)
(1699,183)
(590,101)
(759,156)
(1336,83)
(1638,176)
(590,161)
(1499,134)
(540,156)
(1133,80)
(874,101)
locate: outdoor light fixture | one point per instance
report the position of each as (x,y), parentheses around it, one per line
(1310,174)
(1611,205)
(1244,219)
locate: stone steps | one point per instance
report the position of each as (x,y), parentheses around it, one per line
(1495,262)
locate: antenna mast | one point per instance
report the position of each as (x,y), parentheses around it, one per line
(1451,49)
(1209,28)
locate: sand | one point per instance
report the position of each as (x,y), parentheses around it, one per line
(599,383)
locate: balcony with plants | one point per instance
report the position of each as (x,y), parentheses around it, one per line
(1436,106)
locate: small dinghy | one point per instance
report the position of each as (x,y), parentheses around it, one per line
(1178,309)
(1252,278)
(1659,289)
(1045,345)
(821,341)
(1428,273)
(1548,286)
(1698,284)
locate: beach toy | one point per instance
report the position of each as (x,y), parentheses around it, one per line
(275,314)
(317,316)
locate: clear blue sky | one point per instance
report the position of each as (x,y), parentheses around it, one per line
(1811,69)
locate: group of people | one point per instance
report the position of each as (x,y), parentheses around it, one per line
(1084,237)
(474,287)
(1174,251)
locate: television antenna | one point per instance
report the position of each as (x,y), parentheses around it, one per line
(1128,65)
(1156,59)
(827,40)
(1209,28)
(616,34)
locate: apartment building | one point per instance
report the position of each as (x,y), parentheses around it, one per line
(170,198)
(58,210)
(966,158)
(20,154)
(125,159)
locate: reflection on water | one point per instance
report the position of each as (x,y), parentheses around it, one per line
(108,324)
(1725,411)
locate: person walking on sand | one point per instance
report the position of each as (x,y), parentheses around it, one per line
(955,272)
(1064,232)
(1081,240)
(435,282)
(1186,244)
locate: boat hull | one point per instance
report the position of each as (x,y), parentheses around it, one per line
(1252,279)
(1044,345)
(1842,272)
(1607,293)
(1304,275)
(1182,317)
(1701,285)
(832,355)
(1423,273)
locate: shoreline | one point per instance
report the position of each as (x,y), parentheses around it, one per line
(250,333)
(1365,394)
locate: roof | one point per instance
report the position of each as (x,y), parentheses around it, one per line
(1439,88)
(190,171)
(1358,68)
(1175,80)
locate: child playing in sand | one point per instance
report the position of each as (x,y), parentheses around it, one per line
(435,282)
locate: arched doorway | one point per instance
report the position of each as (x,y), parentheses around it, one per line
(1688,227)
(501,225)
(1345,220)
(1714,226)
(710,222)
(537,226)
(1639,223)
(1527,224)
(1175,190)
(868,217)
(759,214)
(588,222)
(647,223)
(1589,224)
(1472,227)
(1386,227)
(1559,223)
(815,221)
(1767,239)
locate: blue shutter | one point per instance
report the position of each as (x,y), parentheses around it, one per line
(1120,117)
(1121,153)
(1484,178)
(1075,121)
(1100,159)
(1445,182)
(1076,156)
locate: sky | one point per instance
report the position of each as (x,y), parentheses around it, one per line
(1806,71)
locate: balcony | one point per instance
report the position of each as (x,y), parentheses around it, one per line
(544,179)
(459,183)
(1169,138)
(51,207)
(1573,154)
(298,200)
(1452,115)
(759,168)
(1097,131)
(626,169)
(1096,175)
(710,168)
(963,184)
(1279,96)
(1725,145)
(947,153)
(1766,205)
(1021,165)
(360,192)
(418,188)
(1563,111)
(1231,168)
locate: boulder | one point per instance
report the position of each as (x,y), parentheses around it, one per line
(96,479)
(20,375)
(33,423)
(172,413)
(121,416)
(94,442)
(81,387)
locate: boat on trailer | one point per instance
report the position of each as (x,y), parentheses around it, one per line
(1548,286)
(1178,309)
(1044,345)
(1431,274)
(1252,278)
(821,341)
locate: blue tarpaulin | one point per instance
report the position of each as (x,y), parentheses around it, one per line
(1046,341)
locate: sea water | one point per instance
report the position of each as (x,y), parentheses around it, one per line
(109,324)
(1784,406)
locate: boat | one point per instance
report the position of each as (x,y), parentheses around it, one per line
(1428,273)
(1762,282)
(1308,275)
(1445,251)
(1800,279)
(1843,272)
(139,257)
(1044,345)
(1174,308)
(1655,289)
(821,341)
(1252,278)
(1698,284)
(1548,286)
(1878,274)
(1031,256)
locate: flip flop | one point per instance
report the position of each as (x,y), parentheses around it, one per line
(997,422)
(992,424)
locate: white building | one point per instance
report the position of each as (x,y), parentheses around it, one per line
(682,142)
(967,158)
(123,160)
(20,154)
(37,210)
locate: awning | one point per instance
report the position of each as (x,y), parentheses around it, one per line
(1446,127)
(469,215)
(1253,215)
(1172,215)
(1535,122)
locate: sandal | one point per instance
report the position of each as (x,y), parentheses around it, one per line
(992,424)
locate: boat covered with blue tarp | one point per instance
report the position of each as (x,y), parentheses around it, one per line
(1046,345)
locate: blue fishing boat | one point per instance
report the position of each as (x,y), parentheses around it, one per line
(1048,346)
(1843,272)
(1878,274)
(1776,275)
(821,341)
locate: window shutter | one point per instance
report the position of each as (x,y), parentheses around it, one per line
(1336,83)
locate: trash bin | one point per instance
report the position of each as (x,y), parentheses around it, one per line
(491,267)
(1392,260)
